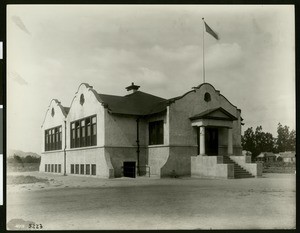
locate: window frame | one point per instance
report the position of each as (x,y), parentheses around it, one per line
(53,138)
(83,132)
(156,132)
(93,169)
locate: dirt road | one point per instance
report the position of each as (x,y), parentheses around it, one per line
(87,203)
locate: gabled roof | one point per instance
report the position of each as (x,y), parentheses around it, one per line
(137,103)
(215,113)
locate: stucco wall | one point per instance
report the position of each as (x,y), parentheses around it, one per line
(178,162)
(53,121)
(121,130)
(119,155)
(56,157)
(91,106)
(157,157)
(181,131)
(96,156)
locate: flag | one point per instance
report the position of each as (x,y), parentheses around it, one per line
(211,32)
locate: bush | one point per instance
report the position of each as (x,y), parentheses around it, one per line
(279,167)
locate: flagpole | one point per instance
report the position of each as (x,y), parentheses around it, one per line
(203,65)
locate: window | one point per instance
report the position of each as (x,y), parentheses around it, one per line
(52,167)
(77,169)
(94,169)
(87,169)
(207,97)
(82,169)
(156,132)
(72,135)
(84,132)
(53,139)
(56,168)
(46,167)
(72,168)
(59,168)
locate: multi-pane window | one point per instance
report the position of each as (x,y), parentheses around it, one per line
(52,167)
(53,139)
(59,168)
(55,168)
(156,132)
(84,132)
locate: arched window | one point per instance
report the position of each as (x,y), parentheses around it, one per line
(207,97)
(52,112)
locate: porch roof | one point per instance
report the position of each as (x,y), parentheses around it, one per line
(216,114)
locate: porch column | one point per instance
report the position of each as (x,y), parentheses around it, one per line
(202,140)
(230,148)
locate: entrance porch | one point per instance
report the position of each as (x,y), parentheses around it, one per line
(216,157)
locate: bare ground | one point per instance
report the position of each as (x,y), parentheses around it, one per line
(75,202)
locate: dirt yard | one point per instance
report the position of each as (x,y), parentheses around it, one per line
(74,202)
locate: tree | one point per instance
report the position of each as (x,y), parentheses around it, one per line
(248,141)
(286,140)
(257,141)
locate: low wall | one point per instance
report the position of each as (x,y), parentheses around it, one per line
(210,166)
(245,161)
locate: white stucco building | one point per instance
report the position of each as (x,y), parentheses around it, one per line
(196,134)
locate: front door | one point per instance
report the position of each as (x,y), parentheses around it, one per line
(211,141)
(129,169)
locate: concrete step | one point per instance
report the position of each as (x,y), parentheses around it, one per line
(239,171)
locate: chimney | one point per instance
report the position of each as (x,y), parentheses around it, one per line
(132,88)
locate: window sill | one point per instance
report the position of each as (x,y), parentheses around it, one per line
(52,151)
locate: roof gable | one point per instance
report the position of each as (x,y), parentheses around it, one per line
(216,113)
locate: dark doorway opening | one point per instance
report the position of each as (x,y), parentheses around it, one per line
(211,141)
(129,169)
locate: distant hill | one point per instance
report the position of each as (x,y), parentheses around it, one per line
(22,154)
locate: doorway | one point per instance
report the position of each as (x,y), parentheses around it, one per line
(129,169)
(211,141)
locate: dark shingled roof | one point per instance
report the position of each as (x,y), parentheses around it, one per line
(66,109)
(138,103)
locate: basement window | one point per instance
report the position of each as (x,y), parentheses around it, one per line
(82,169)
(156,132)
(87,169)
(94,169)
(77,169)
(72,168)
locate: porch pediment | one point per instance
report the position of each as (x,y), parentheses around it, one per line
(214,114)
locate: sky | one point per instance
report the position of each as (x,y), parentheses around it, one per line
(51,49)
